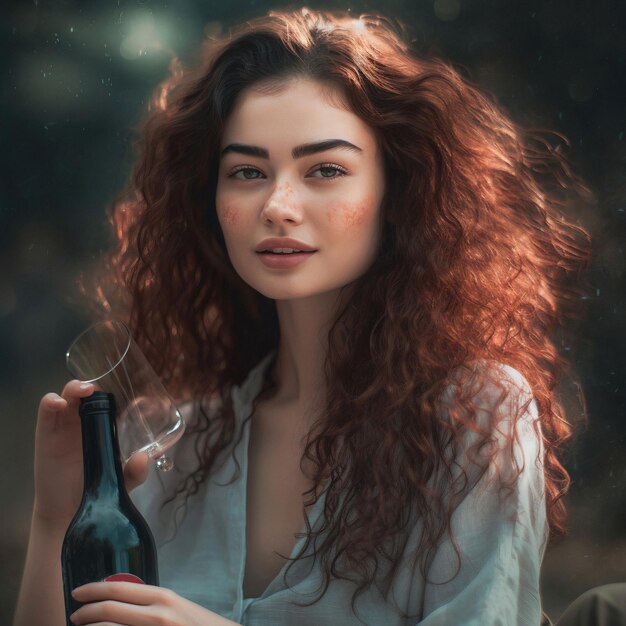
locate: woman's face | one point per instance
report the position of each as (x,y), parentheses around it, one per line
(297,164)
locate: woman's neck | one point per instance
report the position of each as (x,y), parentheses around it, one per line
(298,371)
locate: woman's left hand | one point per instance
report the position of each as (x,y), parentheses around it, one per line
(131,604)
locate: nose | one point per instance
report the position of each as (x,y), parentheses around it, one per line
(282,206)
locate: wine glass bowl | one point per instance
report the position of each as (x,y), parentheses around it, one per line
(147,419)
(155,414)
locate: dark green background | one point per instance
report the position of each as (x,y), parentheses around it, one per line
(76,79)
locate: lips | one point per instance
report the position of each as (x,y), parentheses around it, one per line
(283,243)
(280,251)
(284,261)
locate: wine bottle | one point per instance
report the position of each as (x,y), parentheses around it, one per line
(108,539)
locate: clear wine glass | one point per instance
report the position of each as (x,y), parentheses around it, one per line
(148,420)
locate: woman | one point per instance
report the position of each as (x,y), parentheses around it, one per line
(349,262)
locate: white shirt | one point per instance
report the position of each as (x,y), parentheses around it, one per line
(501,539)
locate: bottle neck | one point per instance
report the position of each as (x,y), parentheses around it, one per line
(103,474)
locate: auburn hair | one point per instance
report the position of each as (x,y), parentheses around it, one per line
(479,263)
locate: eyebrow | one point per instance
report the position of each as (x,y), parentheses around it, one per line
(297,153)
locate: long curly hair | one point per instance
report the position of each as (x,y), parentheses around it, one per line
(478,263)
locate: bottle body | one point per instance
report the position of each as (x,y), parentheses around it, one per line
(108,536)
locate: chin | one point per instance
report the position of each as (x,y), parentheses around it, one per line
(292,287)
(286,294)
(298,293)
(288,290)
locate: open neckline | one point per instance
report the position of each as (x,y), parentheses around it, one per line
(249,391)
(276,581)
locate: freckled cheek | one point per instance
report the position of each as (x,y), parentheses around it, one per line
(355,216)
(228,215)
(351,216)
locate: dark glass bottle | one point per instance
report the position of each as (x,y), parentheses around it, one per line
(108,536)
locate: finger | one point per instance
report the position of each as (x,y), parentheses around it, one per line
(50,404)
(74,390)
(113,612)
(131,593)
(136,470)
(77,389)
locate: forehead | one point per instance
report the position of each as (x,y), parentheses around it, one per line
(296,111)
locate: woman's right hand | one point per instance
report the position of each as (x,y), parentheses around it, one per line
(59,456)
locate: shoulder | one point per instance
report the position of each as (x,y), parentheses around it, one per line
(487,394)
(489,410)
(489,383)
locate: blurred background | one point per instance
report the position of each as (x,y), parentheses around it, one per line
(76,80)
